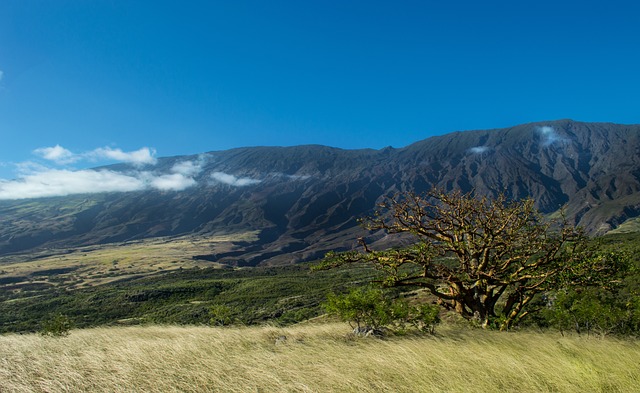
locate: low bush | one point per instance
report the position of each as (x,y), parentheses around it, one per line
(369,309)
(58,325)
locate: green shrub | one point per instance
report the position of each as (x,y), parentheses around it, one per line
(361,307)
(425,317)
(56,326)
(592,310)
(221,315)
(370,308)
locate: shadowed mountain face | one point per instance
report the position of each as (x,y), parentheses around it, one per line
(305,200)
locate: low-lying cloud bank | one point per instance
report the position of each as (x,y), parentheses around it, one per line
(56,182)
(38,181)
(63,182)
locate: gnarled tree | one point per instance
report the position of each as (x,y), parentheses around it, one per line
(484,258)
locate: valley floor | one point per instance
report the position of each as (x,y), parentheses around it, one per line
(314,358)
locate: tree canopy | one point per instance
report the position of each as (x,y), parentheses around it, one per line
(484,258)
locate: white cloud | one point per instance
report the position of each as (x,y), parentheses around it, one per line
(35,180)
(231,180)
(479,149)
(181,176)
(38,182)
(57,154)
(138,157)
(550,136)
(187,168)
(62,156)
(54,182)
(172,182)
(1,74)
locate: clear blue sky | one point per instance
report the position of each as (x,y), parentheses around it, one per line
(185,77)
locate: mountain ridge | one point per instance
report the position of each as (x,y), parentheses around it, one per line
(305,199)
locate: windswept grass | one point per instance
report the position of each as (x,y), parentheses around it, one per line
(314,358)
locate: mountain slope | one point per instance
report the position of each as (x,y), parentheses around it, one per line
(305,199)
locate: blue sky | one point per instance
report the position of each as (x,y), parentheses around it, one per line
(94,78)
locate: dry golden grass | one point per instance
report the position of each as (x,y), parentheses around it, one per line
(101,264)
(314,358)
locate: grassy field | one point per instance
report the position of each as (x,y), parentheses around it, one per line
(101,264)
(314,358)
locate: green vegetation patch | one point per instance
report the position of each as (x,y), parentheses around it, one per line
(254,295)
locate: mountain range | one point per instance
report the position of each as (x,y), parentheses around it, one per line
(305,200)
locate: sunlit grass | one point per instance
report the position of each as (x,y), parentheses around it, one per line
(101,264)
(314,358)
(631,225)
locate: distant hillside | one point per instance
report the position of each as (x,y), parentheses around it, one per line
(305,200)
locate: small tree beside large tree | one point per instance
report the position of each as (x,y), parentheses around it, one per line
(484,258)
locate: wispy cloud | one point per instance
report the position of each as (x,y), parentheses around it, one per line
(57,154)
(550,136)
(29,168)
(1,75)
(188,168)
(280,175)
(231,180)
(181,176)
(143,156)
(35,180)
(62,156)
(479,149)
(298,177)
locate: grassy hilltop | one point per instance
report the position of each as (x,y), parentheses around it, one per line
(314,358)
